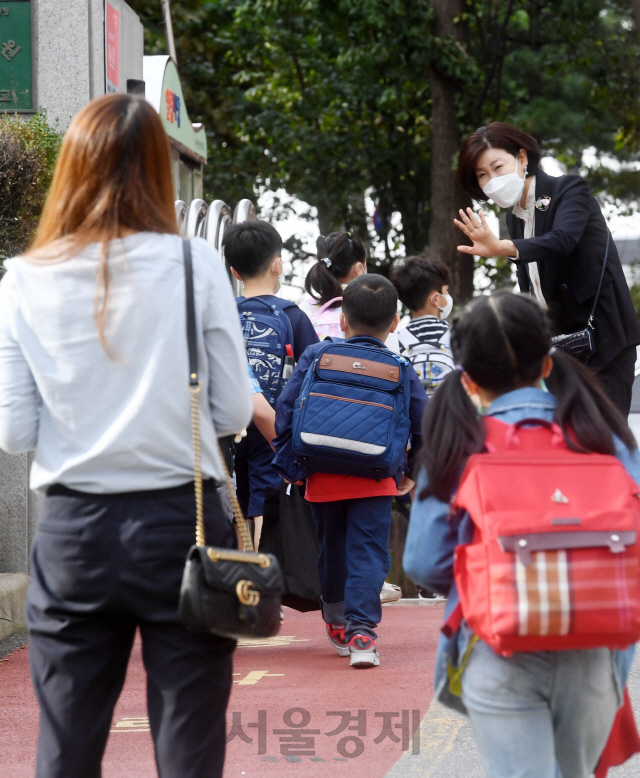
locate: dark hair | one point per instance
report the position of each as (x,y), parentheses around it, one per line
(501,341)
(496,135)
(369,303)
(343,250)
(416,277)
(249,247)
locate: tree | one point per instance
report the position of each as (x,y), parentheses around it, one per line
(447,197)
(28,153)
(334,98)
(635,7)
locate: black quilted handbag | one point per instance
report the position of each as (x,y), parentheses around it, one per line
(233,594)
(582,343)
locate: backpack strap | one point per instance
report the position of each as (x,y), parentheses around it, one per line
(407,339)
(316,314)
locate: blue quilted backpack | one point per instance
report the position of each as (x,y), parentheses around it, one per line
(267,332)
(352,414)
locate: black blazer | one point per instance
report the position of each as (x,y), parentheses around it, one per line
(569,247)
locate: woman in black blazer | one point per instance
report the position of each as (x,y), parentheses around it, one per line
(558,243)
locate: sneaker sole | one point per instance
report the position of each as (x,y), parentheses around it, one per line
(363,660)
(342,650)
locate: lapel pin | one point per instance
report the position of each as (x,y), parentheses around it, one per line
(543,203)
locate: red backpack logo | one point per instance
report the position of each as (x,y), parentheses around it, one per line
(555,559)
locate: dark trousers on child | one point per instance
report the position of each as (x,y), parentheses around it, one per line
(354,561)
(254,474)
(103,566)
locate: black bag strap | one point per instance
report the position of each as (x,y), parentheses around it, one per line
(604,267)
(194,388)
(191,314)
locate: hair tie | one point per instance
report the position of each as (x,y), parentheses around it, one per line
(326,261)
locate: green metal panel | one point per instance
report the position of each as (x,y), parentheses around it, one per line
(16,66)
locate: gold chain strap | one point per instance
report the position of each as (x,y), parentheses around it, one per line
(197,471)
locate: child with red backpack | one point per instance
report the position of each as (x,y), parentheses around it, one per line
(528,518)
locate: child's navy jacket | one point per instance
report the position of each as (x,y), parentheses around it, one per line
(285,459)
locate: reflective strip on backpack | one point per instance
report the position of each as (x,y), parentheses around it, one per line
(314,439)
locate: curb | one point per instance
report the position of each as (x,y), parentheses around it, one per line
(414,601)
(13,593)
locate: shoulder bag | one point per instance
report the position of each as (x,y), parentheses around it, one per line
(581,343)
(232,594)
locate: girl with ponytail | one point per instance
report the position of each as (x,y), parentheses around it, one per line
(535,714)
(341,258)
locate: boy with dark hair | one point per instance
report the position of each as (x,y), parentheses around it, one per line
(423,286)
(352,513)
(276,333)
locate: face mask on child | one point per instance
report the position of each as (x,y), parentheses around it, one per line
(444,312)
(279,273)
(506,190)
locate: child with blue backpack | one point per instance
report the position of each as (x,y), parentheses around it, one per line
(276,333)
(344,421)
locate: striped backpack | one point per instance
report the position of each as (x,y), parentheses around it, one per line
(555,559)
(432,361)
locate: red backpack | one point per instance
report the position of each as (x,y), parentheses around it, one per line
(555,561)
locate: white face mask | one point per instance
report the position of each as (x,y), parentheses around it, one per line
(444,312)
(506,190)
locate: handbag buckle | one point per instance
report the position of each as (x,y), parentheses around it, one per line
(247,594)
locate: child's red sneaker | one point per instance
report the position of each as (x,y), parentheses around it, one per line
(337,640)
(363,651)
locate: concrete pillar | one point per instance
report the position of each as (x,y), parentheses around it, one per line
(19,508)
(69,52)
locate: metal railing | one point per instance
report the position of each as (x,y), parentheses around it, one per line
(197,219)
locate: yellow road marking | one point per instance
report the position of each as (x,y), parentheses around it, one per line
(279,640)
(256,675)
(132,724)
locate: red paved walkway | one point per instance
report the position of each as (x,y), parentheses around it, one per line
(300,671)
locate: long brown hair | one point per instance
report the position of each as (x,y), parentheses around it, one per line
(113,175)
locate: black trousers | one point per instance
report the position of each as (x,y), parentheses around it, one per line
(617,378)
(104,565)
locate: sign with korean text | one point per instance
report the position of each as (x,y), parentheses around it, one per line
(112,38)
(174,114)
(16,68)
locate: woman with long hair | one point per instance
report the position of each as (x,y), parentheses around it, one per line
(535,714)
(94,379)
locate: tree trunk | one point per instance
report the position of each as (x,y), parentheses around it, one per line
(635,7)
(446,196)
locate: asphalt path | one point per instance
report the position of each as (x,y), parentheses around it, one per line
(296,709)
